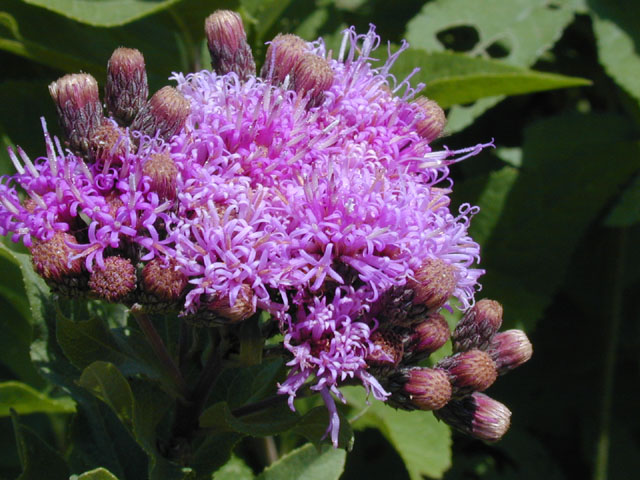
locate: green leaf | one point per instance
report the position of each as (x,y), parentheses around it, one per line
(453,78)
(627,211)
(51,39)
(525,28)
(234,469)
(423,443)
(270,421)
(213,453)
(24,400)
(105,13)
(313,426)
(561,188)
(239,386)
(492,202)
(307,462)
(38,459)
(105,381)
(617,29)
(87,341)
(97,474)
(262,14)
(150,407)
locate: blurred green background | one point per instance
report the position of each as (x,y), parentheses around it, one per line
(556,83)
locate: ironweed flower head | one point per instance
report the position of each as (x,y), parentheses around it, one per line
(311,192)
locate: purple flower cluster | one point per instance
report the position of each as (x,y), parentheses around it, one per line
(311,192)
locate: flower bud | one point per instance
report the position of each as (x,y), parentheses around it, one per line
(311,77)
(283,55)
(108,143)
(431,118)
(227,42)
(478,326)
(428,336)
(427,388)
(389,349)
(163,280)
(115,281)
(165,113)
(242,308)
(477,415)
(470,371)
(433,283)
(163,172)
(51,258)
(126,90)
(509,350)
(79,110)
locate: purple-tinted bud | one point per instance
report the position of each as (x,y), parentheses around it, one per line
(478,326)
(477,415)
(311,77)
(115,281)
(163,172)
(433,283)
(427,388)
(51,258)
(163,280)
(431,118)
(79,110)
(165,113)
(283,55)
(389,351)
(242,309)
(509,350)
(227,42)
(470,371)
(108,143)
(126,90)
(428,336)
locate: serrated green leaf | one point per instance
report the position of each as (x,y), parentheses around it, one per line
(38,459)
(617,28)
(105,381)
(234,469)
(560,190)
(308,463)
(24,400)
(97,474)
(423,443)
(626,211)
(105,13)
(270,421)
(453,78)
(313,426)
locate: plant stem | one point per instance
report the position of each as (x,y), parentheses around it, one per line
(615,315)
(159,348)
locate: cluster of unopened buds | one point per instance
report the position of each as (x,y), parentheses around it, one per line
(310,192)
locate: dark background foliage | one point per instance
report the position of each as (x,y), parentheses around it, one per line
(555,82)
